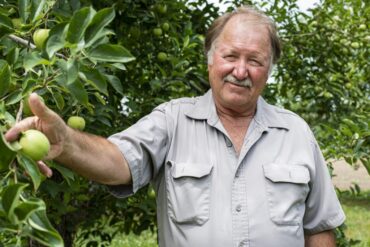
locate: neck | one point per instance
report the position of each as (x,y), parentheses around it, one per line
(228,113)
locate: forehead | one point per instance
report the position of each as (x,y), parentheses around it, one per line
(245,32)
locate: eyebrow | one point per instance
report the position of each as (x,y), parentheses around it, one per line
(254,54)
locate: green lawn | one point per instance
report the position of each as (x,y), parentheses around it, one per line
(356,208)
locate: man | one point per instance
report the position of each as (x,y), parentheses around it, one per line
(228,168)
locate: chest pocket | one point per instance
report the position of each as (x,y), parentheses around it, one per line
(287,189)
(188,188)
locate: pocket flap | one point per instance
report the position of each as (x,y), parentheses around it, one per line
(196,170)
(283,173)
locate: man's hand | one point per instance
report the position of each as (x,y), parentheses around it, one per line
(46,121)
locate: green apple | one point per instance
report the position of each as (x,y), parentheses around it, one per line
(162,9)
(162,56)
(157,31)
(40,36)
(151,193)
(348,85)
(76,122)
(34,144)
(355,45)
(362,27)
(165,26)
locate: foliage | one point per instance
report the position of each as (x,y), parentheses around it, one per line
(87,68)
(74,73)
(324,76)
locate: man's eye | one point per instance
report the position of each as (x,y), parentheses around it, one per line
(255,62)
(230,57)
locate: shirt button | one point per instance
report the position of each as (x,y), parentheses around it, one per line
(243,243)
(238,208)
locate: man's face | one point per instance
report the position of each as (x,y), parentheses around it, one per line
(243,52)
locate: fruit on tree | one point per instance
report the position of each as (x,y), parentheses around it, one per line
(355,45)
(40,36)
(162,56)
(76,122)
(162,9)
(34,144)
(157,31)
(165,26)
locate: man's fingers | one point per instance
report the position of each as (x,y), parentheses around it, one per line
(13,133)
(38,107)
(44,169)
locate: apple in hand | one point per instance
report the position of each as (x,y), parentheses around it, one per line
(34,144)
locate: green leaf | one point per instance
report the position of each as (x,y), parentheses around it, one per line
(22,8)
(67,174)
(95,78)
(70,71)
(115,82)
(32,169)
(59,100)
(78,24)
(14,97)
(118,66)
(12,55)
(6,25)
(111,53)
(77,89)
(36,10)
(26,208)
(43,231)
(56,39)
(10,199)
(33,59)
(101,19)
(7,154)
(5,75)
(100,38)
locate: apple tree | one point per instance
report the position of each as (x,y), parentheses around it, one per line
(61,51)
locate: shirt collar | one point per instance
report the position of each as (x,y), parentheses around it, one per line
(204,109)
(267,116)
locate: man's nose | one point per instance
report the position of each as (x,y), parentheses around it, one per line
(240,71)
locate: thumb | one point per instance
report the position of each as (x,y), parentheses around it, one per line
(38,106)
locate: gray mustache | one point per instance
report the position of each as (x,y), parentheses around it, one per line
(245,82)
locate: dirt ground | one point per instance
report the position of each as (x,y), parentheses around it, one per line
(346,175)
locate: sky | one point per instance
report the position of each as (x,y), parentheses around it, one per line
(303,4)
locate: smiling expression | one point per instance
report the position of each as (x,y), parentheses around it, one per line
(242,52)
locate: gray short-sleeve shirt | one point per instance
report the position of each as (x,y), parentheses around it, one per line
(274,192)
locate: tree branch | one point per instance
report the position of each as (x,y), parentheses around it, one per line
(22,41)
(30,45)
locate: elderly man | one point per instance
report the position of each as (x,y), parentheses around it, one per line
(228,168)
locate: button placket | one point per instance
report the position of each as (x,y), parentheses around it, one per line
(239,205)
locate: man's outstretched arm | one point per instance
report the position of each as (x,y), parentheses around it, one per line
(321,239)
(89,155)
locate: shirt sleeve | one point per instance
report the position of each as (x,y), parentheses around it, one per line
(144,146)
(323,210)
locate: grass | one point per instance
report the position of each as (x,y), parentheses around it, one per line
(146,239)
(357,210)
(355,205)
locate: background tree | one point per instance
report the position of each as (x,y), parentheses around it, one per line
(87,68)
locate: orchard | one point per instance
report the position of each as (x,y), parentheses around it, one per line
(101,65)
